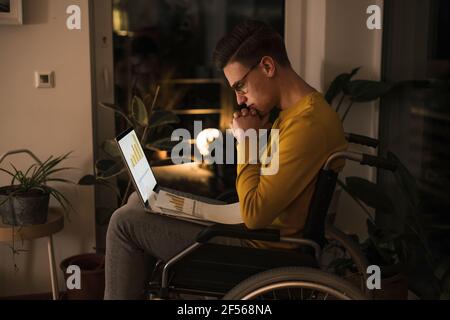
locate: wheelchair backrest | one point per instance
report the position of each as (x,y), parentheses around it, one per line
(320,202)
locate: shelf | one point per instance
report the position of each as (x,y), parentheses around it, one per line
(55,223)
(197,111)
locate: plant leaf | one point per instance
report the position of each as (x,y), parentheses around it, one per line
(87,180)
(162,117)
(60,180)
(139,111)
(8,172)
(107,168)
(110,147)
(62,200)
(366,90)
(338,85)
(116,109)
(47,168)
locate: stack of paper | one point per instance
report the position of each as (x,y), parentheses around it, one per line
(178,206)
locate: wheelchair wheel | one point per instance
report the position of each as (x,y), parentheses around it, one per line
(341,247)
(294,283)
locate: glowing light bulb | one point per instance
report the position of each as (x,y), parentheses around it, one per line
(205,138)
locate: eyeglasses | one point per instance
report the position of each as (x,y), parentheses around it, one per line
(240,86)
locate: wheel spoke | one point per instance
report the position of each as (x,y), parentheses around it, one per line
(275,287)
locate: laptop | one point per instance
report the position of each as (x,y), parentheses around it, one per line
(141,173)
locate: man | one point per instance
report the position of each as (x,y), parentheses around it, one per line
(254,60)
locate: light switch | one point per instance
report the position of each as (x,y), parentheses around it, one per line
(44,79)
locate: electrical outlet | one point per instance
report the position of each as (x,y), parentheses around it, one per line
(44,79)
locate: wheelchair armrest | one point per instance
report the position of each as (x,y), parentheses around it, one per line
(237,231)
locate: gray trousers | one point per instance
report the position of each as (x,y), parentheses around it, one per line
(136,239)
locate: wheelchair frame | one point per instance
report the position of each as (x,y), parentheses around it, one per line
(314,231)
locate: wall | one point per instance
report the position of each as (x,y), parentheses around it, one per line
(326,38)
(49,122)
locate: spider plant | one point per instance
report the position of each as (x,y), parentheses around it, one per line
(34,180)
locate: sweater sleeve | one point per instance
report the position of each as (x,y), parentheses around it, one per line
(262,198)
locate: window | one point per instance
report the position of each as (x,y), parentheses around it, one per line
(169,44)
(415,116)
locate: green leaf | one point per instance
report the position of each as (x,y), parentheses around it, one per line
(17,175)
(139,111)
(8,172)
(62,200)
(47,168)
(87,180)
(110,147)
(366,90)
(107,168)
(45,176)
(60,180)
(116,109)
(354,71)
(338,85)
(370,193)
(162,117)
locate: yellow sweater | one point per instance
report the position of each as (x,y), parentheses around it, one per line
(309,132)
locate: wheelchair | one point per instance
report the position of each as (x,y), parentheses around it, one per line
(217,271)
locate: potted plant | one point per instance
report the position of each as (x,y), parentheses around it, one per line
(25,201)
(153,128)
(378,251)
(398,232)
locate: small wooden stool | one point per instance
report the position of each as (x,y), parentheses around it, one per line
(54,224)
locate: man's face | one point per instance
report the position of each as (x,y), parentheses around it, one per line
(252,86)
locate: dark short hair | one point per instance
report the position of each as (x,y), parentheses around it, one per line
(248,42)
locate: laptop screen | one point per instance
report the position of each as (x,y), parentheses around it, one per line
(139,168)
